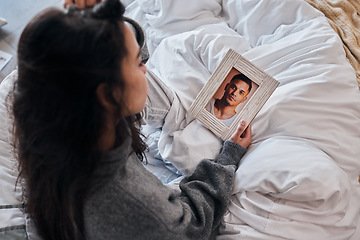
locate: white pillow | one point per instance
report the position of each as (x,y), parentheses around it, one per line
(12,221)
(164,18)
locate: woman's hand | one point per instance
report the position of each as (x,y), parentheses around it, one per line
(81,3)
(242,137)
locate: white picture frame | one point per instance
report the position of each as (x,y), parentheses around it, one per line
(263,85)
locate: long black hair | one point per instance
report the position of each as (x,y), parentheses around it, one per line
(62,59)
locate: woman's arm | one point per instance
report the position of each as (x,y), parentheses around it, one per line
(208,189)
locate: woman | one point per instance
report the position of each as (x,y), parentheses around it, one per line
(76,107)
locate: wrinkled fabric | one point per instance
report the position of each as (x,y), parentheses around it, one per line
(299,179)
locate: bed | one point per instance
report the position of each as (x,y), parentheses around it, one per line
(300,177)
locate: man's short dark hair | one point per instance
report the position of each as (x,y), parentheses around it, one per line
(243,78)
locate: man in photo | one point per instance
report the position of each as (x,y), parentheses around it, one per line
(236,92)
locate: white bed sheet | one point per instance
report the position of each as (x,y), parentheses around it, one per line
(299,178)
(14,223)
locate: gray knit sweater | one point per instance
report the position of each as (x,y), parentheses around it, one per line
(128,202)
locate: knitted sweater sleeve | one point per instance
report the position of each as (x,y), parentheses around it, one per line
(134,204)
(206,192)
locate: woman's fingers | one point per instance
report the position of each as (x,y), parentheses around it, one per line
(247,137)
(242,136)
(237,134)
(247,132)
(81,3)
(67,2)
(90,3)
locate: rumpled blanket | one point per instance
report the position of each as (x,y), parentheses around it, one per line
(299,178)
(344,18)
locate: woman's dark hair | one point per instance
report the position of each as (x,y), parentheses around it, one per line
(63,57)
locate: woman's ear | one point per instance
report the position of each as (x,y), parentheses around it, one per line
(107,138)
(102,94)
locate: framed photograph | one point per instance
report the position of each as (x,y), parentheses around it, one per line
(236,90)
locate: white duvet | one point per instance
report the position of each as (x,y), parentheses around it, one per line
(299,178)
